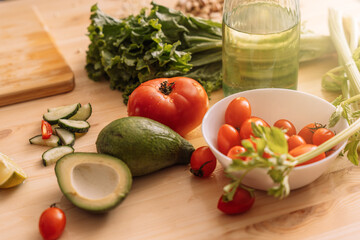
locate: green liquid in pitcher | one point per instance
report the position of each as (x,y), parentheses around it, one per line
(257,51)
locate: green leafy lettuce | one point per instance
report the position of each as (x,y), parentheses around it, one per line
(163,43)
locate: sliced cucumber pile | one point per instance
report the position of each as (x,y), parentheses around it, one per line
(66,121)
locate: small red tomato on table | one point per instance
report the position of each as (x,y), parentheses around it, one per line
(202,162)
(179,102)
(52,223)
(241,202)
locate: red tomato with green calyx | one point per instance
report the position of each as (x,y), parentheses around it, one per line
(304,149)
(202,162)
(237,112)
(234,153)
(242,201)
(307,132)
(179,102)
(52,223)
(295,141)
(227,137)
(321,135)
(246,129)
(286,125)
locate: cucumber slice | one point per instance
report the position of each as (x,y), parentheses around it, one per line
(60,107)
(83,113)
(52,155)
(53,141)
(64,112)
(76,126)
(67,138)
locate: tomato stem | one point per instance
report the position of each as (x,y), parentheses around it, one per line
(199,172)
(166,87)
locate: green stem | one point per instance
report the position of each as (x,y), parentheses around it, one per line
(338,36)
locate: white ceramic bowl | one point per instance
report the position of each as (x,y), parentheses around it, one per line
(272,104)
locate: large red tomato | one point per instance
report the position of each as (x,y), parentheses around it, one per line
(178,102)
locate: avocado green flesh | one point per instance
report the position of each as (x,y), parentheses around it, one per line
(93,182)
(143,144)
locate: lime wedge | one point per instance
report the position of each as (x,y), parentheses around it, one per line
(11,174)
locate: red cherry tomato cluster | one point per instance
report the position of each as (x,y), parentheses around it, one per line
(237,127)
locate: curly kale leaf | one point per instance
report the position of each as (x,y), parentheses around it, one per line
(164,43)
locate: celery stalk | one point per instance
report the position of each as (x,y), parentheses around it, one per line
(344,53)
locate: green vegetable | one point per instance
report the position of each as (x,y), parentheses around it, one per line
(143,144)
(53,154)
(165,43)
(93,182)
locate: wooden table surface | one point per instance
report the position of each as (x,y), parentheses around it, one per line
(169,204)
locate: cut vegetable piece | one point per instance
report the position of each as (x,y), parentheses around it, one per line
(83,113)
(77,126)
(66,137)
(53,141)
(92,181)
(60,107)
(11,174)
(64,112)
(52,155)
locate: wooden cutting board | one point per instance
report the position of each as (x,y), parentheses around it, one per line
(30,64)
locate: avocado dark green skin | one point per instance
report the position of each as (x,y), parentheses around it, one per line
(143,144)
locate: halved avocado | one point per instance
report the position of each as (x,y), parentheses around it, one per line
(92,181)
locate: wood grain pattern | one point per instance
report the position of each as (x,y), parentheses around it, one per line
(169,204)
(30,64)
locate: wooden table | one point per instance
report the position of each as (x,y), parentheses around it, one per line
(169,204)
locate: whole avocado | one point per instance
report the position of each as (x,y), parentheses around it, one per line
(143,144)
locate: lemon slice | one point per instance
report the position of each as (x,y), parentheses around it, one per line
(11,174)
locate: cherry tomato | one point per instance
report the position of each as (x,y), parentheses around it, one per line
(46,129)
(321,135)
(228,137)
(294,141)
(242,202)
(304,149)
(235,151)
(202,162)
(307,132)
(265,155)
(179,102)
(237,112)
(52,223)
(286,125)
(246,130)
